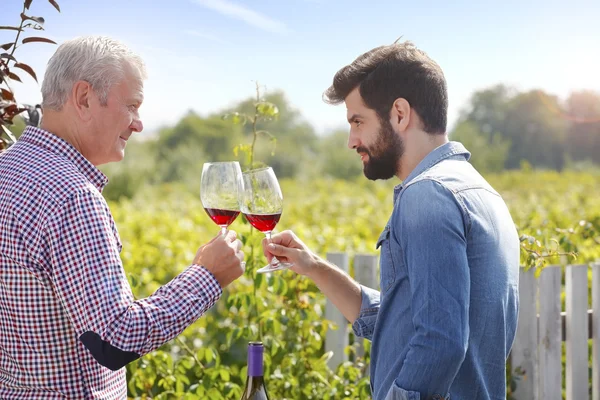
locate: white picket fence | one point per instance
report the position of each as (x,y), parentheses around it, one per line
(542,329)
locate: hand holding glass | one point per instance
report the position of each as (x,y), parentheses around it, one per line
(261,201)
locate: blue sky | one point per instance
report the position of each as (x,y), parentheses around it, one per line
(205,54)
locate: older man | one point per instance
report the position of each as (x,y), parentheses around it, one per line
(68,320)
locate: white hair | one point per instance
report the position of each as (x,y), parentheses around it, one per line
(98,60)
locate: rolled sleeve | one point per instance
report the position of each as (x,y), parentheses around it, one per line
(369,309)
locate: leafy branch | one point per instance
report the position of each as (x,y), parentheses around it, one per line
(564,245)
(9,107)
(263,111)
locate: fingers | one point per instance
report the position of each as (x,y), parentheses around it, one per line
(237,245)
(228,236)
(279,251)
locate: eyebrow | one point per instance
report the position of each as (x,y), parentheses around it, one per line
(355,117)
(137,100)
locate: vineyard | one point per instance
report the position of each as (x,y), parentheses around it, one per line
(557,214)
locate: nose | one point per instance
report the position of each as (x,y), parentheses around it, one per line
(353,141)
(136,125)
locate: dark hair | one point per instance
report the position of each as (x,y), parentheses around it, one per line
(399,70)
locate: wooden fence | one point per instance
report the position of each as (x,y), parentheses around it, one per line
(545,332)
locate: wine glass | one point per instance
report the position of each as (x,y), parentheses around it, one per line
(261,202)
(220,191)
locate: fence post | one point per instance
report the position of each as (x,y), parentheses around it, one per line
(524,349)
(576,293)
(365,273)
(336,340)
(596,331)
(550,335)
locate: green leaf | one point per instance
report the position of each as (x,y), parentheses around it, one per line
(133,280)
(267,109)
(225,376)
(200,354)
(209,355)
(258,280)
(9,134)
(188,362)
(326,357)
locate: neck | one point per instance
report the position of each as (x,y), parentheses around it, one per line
(55,123)
(417,147)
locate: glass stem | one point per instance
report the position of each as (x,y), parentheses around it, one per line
(223,230)
(274,260)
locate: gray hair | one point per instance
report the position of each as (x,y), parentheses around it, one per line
(98,60)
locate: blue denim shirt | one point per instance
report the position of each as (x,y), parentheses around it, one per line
(445,319)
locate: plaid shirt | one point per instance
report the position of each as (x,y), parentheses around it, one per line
(68,320)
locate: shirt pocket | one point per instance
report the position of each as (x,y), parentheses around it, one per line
(387,272)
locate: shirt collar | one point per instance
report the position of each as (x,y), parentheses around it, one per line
(51,142)
(440,153)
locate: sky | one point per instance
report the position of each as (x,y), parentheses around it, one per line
(206,55)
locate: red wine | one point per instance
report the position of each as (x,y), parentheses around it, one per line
(255,383)
(263,222)
(222,217)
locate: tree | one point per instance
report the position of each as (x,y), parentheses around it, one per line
(536,131)
(336,160)
(9,106)
(583,135)
(488,150)
(529,121)
(182,149)
(296,141)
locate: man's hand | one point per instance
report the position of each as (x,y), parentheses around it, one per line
(223,257)
(288,248)
(342,290)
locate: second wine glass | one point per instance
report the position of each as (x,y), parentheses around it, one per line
(261,202)
(220,187)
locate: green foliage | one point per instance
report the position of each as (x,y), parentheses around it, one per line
(161,235)
(134,172)
(540,128)
(336,160)
(583,109)
(283,310)
(489,151)
(17,127)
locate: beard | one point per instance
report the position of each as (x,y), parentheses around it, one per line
(384,155)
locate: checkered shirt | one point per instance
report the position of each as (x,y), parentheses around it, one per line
(68,319)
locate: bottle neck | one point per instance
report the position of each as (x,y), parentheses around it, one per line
(255,362)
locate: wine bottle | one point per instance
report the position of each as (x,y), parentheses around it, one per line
(255,383)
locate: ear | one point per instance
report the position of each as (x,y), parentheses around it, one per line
(81,97)
(400,114)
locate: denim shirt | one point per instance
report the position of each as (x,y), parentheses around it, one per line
(444,321)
